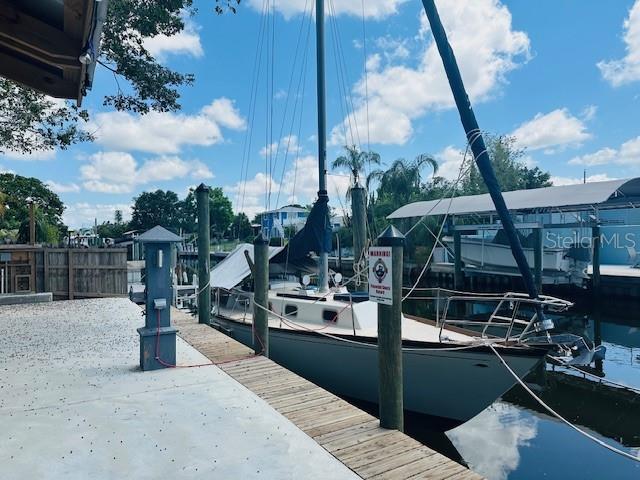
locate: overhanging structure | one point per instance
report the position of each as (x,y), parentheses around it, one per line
(597,195)
(42,42)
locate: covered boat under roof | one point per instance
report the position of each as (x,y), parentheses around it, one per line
(603,195)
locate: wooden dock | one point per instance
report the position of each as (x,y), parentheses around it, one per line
(349,434)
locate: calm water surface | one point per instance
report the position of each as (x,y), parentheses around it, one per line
(514,439)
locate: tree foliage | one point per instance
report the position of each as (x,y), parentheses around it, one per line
(49,208)
(31,121)
(113,229)
(241,228)
(356,161)
(156,208)
(220,212)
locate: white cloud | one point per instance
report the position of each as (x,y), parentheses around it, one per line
(186,42)
(551,130)
(486,47)
(62,187)
(491,441)
(299,185)
(83,214)
(628,154)
(449,162)
(375,9)
(288,144)
(601,177)
(589,113)
(165,132)
(3,169)
(627,69)
(118,172)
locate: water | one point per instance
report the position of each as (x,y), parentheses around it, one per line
(514,439)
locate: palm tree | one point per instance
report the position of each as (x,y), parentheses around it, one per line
(356,160)
(402,180)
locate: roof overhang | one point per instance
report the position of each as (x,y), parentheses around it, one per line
(602,195)
(41,42)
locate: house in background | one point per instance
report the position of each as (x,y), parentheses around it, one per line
(274,222)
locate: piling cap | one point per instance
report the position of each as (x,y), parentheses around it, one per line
(202,188)
(158,234)
(391,237)
(260,239)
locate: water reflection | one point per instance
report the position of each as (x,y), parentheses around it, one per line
(516,439)
(490,443)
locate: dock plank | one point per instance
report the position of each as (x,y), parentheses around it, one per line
(352,436)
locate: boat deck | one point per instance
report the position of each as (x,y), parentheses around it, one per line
(349,434)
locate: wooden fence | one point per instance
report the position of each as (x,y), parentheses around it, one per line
(66,272)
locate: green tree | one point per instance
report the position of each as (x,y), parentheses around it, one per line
(220,212)
(17,189)
(356,161)
(156,208)
(45,232)
(241,228)
(31,121)
(512,173)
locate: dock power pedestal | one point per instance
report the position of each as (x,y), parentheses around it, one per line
(158,337)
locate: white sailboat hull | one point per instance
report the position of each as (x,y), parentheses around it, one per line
(452,385)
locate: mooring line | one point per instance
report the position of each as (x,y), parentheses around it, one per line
(560,417)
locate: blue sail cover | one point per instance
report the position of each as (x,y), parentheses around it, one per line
(315,236)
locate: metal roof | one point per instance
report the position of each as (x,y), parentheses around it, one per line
(158,234)
(610,194)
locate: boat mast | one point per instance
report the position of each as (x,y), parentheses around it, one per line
(323,270)
(479,149)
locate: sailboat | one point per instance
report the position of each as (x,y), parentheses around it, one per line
(329,336)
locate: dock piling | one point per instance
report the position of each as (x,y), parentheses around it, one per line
(204,244)
(359,223)
(390,386)
(261,295)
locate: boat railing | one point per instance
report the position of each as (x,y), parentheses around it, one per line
(240,302)
(514,316)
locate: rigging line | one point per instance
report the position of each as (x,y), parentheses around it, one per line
(257,62)
(304,83)
(266,112)
(271,94)
(560,417)
(344,109)
(366,75)
(342,70)
(341,82)
(444,220)
(345,73)
(301,87)
(293,70)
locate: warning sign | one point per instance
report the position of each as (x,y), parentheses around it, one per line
(380,275)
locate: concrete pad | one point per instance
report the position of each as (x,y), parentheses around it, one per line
(25,298)
(74,405)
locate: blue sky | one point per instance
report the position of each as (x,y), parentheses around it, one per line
(562,76)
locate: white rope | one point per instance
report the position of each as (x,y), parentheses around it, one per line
(604,380)
(560,417)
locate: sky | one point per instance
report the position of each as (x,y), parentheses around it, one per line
(562,77)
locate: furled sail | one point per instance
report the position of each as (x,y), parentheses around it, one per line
(315,236)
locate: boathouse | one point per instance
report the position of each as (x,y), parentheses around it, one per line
(594,225)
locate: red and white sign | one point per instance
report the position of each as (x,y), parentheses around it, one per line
(380,275)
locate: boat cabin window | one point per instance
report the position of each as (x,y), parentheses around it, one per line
(330,316)
(290,310)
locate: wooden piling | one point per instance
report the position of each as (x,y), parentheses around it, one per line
(204,243)
(261,295)
(359,225)
(390,388)
(595,278)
